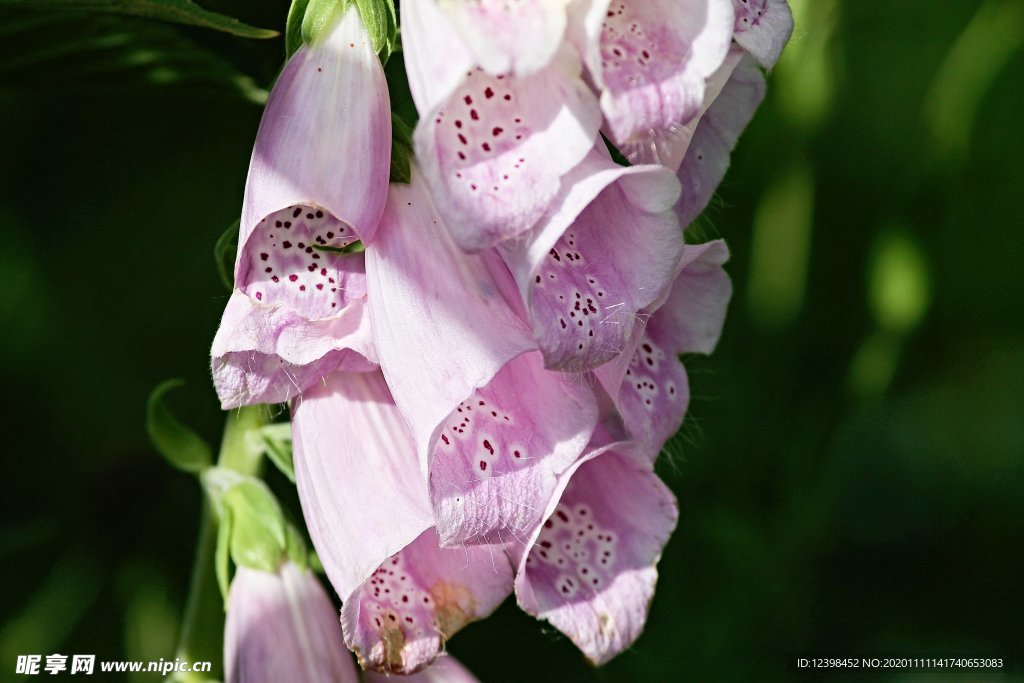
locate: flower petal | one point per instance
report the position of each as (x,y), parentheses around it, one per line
(283,627)
(436,59)
(362,493)
(590,570)
(650,60)
(509,36)
(715,137)
(654,393)
(582,288)
(325,137)
(442,321)
(298,312)
(501,450)
(397,621)
(494,151)
(763,27)
(445,669)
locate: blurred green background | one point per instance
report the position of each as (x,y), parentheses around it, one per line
(851,476)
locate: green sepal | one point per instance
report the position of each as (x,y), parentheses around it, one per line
(258,528)
(177,11)
(277,442)
(222,555)
(401,150)
(381,23)
(296,547)
(293,27)
(224,255)
(180,446)
(319,16)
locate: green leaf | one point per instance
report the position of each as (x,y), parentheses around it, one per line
(278,441)
(381,23)
(296,548)
(224,255)
(177,11)
(293,27)
(181,446)
(258,529)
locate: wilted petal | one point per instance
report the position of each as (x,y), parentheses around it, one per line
(362,492)
(590,569)
(715,137)
(501,450)
(509,36)
(298,312)
(494,151)
(397,621)
(283,627)
(582,286)
(325,137)
(650,60)
(654,394)
(763,28)
(445,669)
(442,321)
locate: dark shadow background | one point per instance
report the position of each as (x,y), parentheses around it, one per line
(851,476)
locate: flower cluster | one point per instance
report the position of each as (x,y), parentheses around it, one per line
(483,363)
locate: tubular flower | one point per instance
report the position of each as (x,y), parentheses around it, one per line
(366,507)
(763,27)
(651,394)
(283,627)
(317,183)
(492,146)
(650,60)
(492,428)
(589,568)
(581,289)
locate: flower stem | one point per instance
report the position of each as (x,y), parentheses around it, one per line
(202,629)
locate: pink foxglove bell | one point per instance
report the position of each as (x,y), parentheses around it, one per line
(283,627)
(317,183)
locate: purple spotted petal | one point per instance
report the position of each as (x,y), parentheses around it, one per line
(650,60)
(494,151)
(763,28)
(509,36)
(325,137)
(708,155)
(283,627)
(298,312)
(445,669)
(443,321)
(654,392)
(582,288)
(589,570)
(397,621)
(501,450)
(362,493)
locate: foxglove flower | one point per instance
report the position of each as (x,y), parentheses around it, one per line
(652,391)
(444,670)
(364,498)
(492,428)
(590,568)
(317,183)
(492,146)
(606,249)
(763,27)
(650,60)
(283,627)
